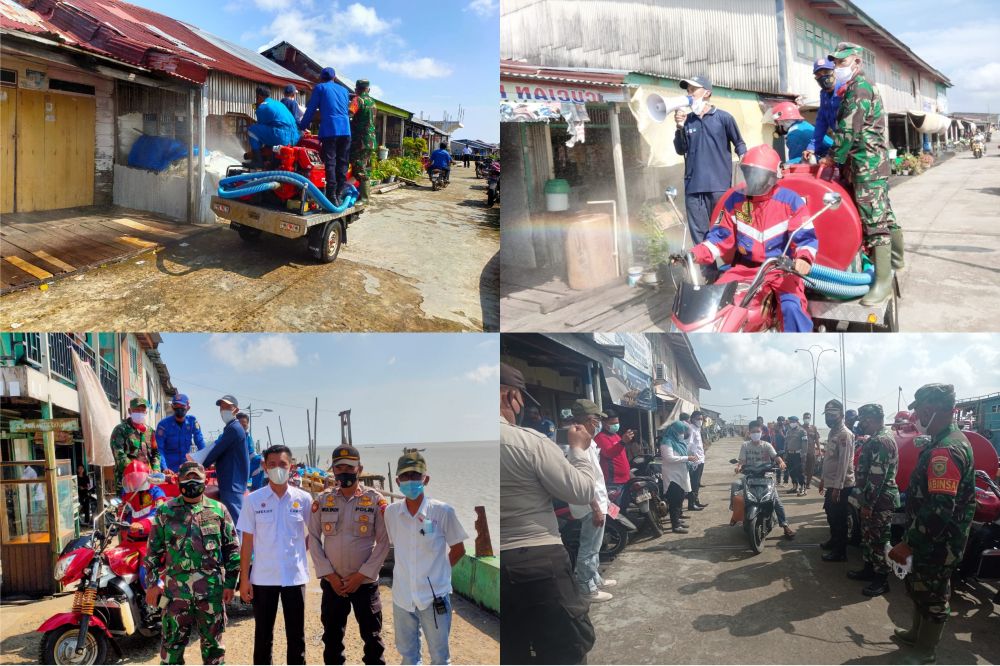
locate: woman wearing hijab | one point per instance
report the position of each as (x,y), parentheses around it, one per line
(675,457)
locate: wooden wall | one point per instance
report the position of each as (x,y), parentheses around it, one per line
(27,569)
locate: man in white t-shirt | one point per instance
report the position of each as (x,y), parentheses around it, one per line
(591,516)
(428,541)
(273,523)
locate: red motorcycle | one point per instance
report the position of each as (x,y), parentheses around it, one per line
(109,601)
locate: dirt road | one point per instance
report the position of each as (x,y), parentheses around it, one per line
(704,597)
(475,634)
(417,260)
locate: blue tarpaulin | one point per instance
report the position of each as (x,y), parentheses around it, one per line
(155,153)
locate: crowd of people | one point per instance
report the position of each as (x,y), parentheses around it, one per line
(547,595)
(200,551)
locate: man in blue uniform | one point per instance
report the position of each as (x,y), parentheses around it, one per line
(331,100)
(290,102)
(175,435)
(441,159)
(275,125)
(229,455)
(244,420)
(798,132)
(704,138)
(826,117)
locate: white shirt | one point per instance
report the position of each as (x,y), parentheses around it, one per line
(600,489)
(421,544)
(695,446)
(278,526)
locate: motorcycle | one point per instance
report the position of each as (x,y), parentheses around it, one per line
(493,185)
(109,600)
(754,504)
(617,532)
(650,467)
(977,149)
(483,165)
(638,500)
(438,179)
(982,551)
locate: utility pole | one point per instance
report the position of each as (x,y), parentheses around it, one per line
(757,400)
(814,365)
(899,398)
(269,445)
(282,431)
(314,460)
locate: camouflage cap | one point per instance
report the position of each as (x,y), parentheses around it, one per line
(189,467)
(411,461)
(362,84)
(137,402)
(346,455)
(833,406)
(584,407)
(933,393)
(845,49)
(871,410)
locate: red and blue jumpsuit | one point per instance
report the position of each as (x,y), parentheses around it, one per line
(752,229)
(142,509)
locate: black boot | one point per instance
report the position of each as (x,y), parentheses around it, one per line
(675,521)
(331,194)
(878,586)
(835,556)
(827,545)
(868,573)
(698,502)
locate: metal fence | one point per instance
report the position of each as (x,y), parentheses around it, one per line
(60,353)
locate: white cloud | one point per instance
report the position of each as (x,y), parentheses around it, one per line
(255,353)
(278,5)
(484,8)
(418,68)
(484,373)
(364,19)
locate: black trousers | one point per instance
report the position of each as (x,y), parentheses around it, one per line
(465,160)
(335,151)
(334,609)
(695,482)
(675,500)
(265,609)
(836,516)
(546,619)
(795,469)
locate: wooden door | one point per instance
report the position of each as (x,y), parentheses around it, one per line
(8,127)
(55,151)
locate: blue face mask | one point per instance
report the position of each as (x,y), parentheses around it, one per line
(411,489)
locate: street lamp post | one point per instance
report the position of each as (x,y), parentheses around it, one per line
(814,364)
(251,412)
(757,400)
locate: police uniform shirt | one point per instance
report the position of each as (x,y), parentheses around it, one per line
(421,544)
(348,534)
(278,526)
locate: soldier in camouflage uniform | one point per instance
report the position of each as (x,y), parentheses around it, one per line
(194,551)
(859,148)
(940,503)
(133,439)
(875,480)
(363,141)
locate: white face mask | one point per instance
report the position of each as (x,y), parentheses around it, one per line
(278,475)
(138,417)
(698,106)
(921,428)
(755,436)
(806,422)
(843,74)
(227,416)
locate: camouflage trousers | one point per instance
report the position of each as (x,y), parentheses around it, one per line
(205,613)
(874,535)
(877,218)
(360,163)
(930,590)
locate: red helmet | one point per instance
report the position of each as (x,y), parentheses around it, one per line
(760,169)
(785,111)
(136,476)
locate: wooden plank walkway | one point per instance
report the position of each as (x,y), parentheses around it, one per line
(45,245)
(535,301)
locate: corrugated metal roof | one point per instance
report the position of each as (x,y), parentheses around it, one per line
(139,36)
(15,17)
(612,78)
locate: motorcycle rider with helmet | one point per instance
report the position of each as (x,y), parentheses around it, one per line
(142,500)
(755,223)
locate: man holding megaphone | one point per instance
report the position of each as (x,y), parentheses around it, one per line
(704,137)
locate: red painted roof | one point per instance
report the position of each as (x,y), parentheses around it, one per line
(142,37)
(519,70)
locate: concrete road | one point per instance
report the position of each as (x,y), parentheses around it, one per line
(948,215)
(417,260)
(704,597)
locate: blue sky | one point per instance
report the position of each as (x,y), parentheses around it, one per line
(957,37)
(740,366)
(401,388)
(424,57)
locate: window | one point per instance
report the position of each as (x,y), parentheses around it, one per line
(812,41)
(71,86)
(913,88)
(8,77)
(896,73)
(133,357)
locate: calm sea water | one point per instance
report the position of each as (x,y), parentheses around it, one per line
(463,474)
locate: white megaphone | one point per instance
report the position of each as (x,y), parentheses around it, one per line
(658,106)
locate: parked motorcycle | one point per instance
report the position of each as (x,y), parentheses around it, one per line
(754,504)
(493,185)
(109,601)
(617,533)
(638,500)
(438,179)
(483,165)
(977,149)
(651,467)
(982,550)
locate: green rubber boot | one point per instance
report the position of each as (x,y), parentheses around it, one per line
(882,285)
(925,649)
(896,234)
(909,636)
(363,190)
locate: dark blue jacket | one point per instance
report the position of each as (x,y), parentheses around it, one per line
(232,464)
(826,119)
(293,107)
(332,101)
(704,142)
(174,440)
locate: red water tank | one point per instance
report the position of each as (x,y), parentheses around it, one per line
(983,454)
(838,231)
